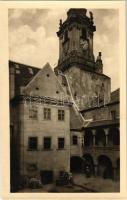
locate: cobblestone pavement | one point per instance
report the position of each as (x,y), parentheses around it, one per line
(81,184)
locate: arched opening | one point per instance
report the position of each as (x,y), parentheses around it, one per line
(88,164)
(100,137)
(88,138)
(76,164)
(114,136)
(105,168)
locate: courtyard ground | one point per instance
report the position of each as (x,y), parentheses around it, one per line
(81,184)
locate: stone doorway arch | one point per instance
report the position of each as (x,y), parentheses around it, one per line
(76,163)
(105,168)
(88,163)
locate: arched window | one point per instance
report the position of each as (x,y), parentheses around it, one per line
(65,36)
(84,35)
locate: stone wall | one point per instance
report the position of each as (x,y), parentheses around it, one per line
(102,113)
(86,86)
(76,150)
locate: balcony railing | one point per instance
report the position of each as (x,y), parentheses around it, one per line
(101,148)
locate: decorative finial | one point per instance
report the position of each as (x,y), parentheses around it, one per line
(91,16)
(60,22)
(99,56)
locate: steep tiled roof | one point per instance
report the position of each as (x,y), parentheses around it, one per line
(115,95)
(23,73)
(103,123)
(75,121)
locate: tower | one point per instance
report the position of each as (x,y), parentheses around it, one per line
(76,57)
(76,41)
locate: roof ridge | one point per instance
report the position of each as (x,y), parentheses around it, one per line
(23,64)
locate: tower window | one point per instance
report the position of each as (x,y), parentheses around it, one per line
(84,35)
(65,36)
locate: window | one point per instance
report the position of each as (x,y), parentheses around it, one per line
(47,113)
(75,140)
(84,35)
(32,143)
(64,82)
(60,143)
(47,143)
(65,36)
(113,114)
(61,115)
(33,112)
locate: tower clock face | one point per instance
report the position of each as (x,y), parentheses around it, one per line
(84,44)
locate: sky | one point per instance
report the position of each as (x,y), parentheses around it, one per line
(33,39)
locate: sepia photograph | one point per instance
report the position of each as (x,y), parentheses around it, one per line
(64,100)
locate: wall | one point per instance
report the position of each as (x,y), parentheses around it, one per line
(53,159)
(76,150)
(88,85)
(103,113)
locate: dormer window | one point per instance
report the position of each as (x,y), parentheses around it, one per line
(16,66)
(30,70)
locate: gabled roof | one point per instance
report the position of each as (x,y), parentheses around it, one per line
(45,83)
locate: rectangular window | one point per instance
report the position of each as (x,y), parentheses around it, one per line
(113,114)
(47,143)
(32,143)
(61,115)
(47,113)
(61,143)
(75,140)
(33,112)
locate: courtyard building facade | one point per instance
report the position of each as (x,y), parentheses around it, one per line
(66,119)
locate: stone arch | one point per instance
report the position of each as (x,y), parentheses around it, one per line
(88,138)
(114,136)
(100,137)
(88,163)
(76,163)
(105,168)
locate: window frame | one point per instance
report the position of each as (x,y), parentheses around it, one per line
(50,144)
(61,115)
(73,140)
(47,113)
(113,114)
(29,146)
(60,142)
(33,112)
